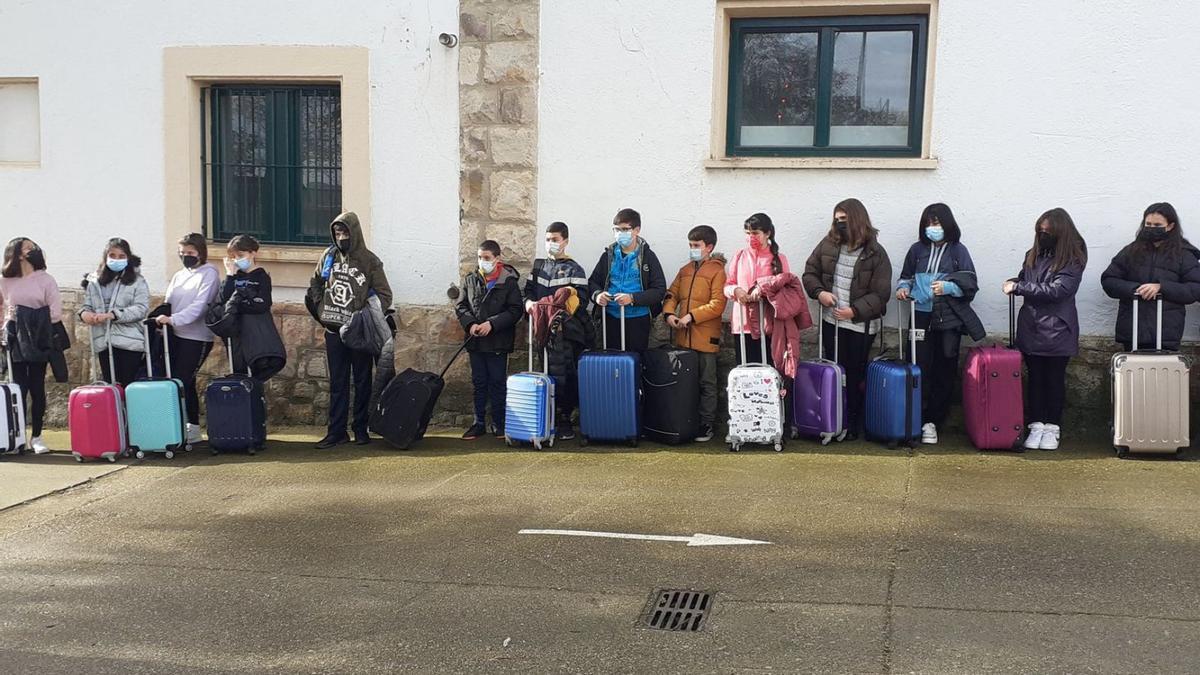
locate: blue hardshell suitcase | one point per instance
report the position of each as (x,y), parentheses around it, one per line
(529,404)
(237,412)
(610,392)
(893,406)
(155,408)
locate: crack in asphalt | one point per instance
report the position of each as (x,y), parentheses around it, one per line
(893,564)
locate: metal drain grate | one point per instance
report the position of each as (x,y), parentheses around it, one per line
(676,610)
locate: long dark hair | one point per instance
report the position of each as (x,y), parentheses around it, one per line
(941,213)
(12,258)
(761,222)
(1172,246)
(126,276)
(860,231)
(1070,249)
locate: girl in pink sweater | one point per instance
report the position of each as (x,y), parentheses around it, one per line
(24,282)
(759,260)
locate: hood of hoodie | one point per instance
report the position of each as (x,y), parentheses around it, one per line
(350,220)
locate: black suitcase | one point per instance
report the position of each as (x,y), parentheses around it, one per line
(405,406)
(671,386)
(237,413)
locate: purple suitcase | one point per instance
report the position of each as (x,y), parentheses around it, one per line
(819,394)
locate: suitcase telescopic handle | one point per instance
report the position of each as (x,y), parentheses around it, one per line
(762,333)
(912,329)
(229,352)
(1133,327)
(112,368)
(146,341)
(545,352)
(604,325)
(1012,320)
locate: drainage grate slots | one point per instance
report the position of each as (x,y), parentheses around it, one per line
(676,610)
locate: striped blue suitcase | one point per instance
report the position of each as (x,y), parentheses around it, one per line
(610,392)
(529,404)
(155,409)
(893,414)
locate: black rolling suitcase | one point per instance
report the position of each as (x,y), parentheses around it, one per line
(237,412)
(405,406)
(671,387)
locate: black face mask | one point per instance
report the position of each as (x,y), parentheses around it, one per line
(1047,241)
(36,258)
(343,245)
(1152,234)
(189,261)
(842,227)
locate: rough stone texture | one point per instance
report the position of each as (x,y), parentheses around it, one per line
(498,131)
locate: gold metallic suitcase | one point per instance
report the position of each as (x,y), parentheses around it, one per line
(1150,397)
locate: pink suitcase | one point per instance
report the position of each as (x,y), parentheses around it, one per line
(96,419)
(993,403)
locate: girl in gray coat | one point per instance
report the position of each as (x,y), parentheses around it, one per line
(115,303)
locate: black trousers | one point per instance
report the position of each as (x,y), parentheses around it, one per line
(937,355)
(32,379)
(130,366)
(489,378)
(854,350)
(637,333)
(344,362)
(1047,393)
(187,356)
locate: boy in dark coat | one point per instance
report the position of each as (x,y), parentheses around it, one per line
(489,310)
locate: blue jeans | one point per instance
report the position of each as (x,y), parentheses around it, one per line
(489,376)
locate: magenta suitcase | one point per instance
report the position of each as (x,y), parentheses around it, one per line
(992,396)
(96,419)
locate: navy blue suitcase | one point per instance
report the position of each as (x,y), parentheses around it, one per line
(894,393)
(237,412)
(610,406)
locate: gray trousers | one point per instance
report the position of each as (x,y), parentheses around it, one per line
(708,387)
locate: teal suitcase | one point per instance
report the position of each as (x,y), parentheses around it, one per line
(155,409)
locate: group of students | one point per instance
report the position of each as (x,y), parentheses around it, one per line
(848,273)
(116,309)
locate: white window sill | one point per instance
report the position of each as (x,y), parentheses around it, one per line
(20,164)
(922,163)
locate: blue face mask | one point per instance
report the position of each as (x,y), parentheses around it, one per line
(624,238)
(243,264)
(935,233)
(695,254)
(117,264)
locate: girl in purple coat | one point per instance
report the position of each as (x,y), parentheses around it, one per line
(1048,325)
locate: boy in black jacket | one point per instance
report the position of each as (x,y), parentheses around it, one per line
(489,310)
(558,270)
(628,274)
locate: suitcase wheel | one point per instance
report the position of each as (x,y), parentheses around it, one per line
(508,441)
(842,436)
(187,448)
(734,447)
(778,447)
(112,459)
(537,445)
(170,454)
(215,451)
(550,442)
(795,433)
(633,442)
(251,450)
(140,455)
(78,457)
(583,441)
(1123,452)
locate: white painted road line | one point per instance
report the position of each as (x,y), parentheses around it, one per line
(697,539)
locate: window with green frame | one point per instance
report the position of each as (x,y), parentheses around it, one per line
(827,86)
(272,159)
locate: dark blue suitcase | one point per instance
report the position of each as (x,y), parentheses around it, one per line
(610,393)
(237,412)
(894,393)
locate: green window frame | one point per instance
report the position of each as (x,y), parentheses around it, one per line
(272,161)
(824,31)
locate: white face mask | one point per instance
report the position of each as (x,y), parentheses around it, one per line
(487,266)
(553,248)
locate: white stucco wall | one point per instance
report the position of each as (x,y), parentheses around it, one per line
(1085,104)
(100,74)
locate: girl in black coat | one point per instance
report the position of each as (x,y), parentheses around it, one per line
(1159,262)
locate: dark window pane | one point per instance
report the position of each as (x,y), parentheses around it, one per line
(320,161)
(872,72)
(779,90)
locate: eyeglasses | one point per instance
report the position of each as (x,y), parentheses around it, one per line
(622,229)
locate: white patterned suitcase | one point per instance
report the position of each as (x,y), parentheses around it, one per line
(755,393)
(1151,410)
(12,413)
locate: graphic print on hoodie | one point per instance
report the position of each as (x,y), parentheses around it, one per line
(344,280)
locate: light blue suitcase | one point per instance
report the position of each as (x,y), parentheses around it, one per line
(155,409)
(529,405)
(610,394)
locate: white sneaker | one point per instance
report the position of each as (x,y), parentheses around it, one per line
(1050,435)
(1033,441)
(38,445)
(193,433)
(929,433)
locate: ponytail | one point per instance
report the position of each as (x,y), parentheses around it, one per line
(776,263)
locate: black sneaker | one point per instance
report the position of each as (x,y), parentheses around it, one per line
(706,434)
(474,432)
(332,440)
(565,431)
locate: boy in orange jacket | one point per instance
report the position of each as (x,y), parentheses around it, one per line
(693,308)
